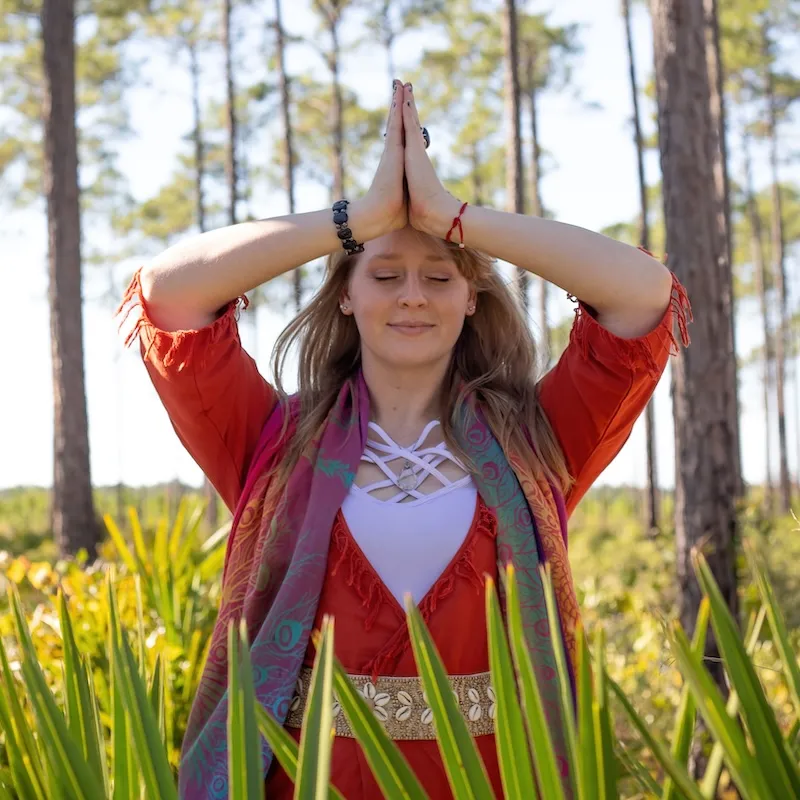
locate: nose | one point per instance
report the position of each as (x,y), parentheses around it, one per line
(412,294)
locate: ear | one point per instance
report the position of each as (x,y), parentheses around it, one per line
(345,306)
(472,301)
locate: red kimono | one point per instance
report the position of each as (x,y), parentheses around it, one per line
(218,403)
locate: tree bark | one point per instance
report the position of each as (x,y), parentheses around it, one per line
(703,377)
(651,504)
(288,147)
(72,513)
(209,492)
(757,254)
(338,105)
(779,273)
(230,102)
(515,188)
(537,207)
(716,84)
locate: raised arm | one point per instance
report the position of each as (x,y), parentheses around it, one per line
(186,304)
(186,285)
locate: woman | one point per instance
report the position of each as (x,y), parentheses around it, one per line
(418,452)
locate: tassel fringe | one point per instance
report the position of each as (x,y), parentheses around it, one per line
(179,345)
(373,593)
(637,353)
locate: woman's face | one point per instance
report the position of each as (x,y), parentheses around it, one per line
(409,302)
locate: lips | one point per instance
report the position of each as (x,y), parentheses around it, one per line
(411,328)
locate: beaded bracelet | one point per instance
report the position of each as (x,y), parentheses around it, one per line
(344,233)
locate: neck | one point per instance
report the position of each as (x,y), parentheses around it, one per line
(403,401)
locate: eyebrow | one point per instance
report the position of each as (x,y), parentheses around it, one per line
(398,257)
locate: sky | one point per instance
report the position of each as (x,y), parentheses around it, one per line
(591,182)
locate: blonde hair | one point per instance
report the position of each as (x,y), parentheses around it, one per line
(495,355)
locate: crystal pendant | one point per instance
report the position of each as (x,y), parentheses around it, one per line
(407,481)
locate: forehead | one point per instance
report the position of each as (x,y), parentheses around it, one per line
(405,245)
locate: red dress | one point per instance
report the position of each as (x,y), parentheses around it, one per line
(218,403)
(371,638)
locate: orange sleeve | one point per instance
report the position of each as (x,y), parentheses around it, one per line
(600,386)
(216,399)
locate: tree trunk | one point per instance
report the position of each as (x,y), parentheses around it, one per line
(703,377)
(477,185)
(515,189)
(757,254)
(388,37)
(338,112)
(209,492)
(288,148)
(779,273)
(716,83)
(230,103)
(72,512)
(537,207)
(651,505)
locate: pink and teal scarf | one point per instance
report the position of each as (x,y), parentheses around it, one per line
(276,564)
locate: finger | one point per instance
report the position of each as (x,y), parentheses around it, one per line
(394,122)
(411,116)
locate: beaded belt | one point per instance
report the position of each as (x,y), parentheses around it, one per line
(401,705)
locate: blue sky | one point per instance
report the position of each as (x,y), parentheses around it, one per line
(592,182)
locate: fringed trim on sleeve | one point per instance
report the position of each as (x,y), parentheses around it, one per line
(175,348)
(637,353)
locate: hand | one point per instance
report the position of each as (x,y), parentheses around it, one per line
(386,201)
(429,203)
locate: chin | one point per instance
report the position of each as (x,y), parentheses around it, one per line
(413,358)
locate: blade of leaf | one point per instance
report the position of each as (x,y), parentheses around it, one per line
(744,768)
(463,765)
(152,759)
(777,623)
(245,772)
(783,774)
(121,742)
(20,732)
(516,767)
(80,713)
(390,768)
(588,778)
(64,753)
(604,736)
(659,750)
(710,781)
(568,712)
(685,719)
(283,746)
(538,730)
(637,771)
(316,741)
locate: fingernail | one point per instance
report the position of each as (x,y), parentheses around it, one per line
(410,88)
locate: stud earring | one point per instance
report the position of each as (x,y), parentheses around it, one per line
(344,307)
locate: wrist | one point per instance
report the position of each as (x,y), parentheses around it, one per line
(362,222)
(440,219)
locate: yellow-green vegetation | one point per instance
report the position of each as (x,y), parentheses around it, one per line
(160,583)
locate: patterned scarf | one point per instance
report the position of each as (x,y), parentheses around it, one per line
(276,563)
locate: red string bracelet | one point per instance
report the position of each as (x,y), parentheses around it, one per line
(457,222)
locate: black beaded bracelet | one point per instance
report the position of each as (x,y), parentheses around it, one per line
(344,233)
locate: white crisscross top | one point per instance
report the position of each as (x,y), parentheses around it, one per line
(410,535)
(423,463)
